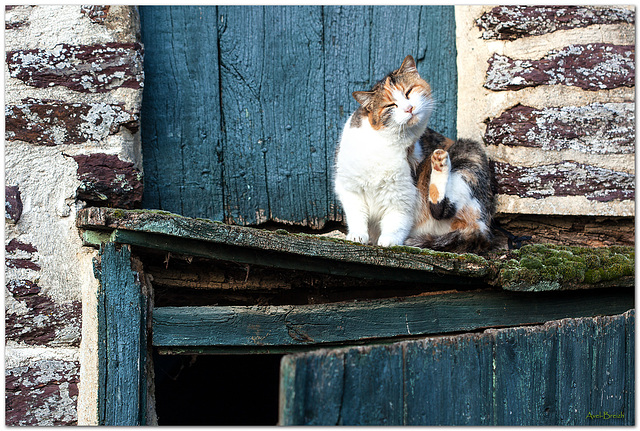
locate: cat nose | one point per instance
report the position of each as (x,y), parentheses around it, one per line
(408,109)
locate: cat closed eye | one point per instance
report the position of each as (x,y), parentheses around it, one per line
(407,93)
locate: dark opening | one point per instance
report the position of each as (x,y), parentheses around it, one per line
(217,389)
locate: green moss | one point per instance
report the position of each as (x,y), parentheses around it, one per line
(539,265)
(117,213)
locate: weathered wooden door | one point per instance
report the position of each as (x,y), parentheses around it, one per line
(566,372)
(243,105)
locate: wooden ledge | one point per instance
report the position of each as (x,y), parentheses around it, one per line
(533,268)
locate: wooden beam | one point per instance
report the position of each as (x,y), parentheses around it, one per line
(309,325)
(122,340)
(537,267)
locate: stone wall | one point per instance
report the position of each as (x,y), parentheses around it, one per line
(550,90)
(73,88)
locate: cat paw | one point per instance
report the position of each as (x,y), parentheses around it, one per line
(440,161)
(389,240)
(358,237)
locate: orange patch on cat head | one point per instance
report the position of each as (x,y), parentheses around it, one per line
(378,100)
(433,193)
(466,219)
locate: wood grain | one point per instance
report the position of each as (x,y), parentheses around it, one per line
(244,105)
(290,325)
(515,270)
(552,374)
(122,312)
(181,131)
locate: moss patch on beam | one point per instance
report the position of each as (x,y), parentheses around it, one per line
(541,267)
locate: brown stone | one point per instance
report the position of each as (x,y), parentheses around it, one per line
(597,128)
(14,245)
(85,68)
(43,393)
(594,66)
(52,122)
(512,22)
(22,263)
(12,203)
(19,288)
(96,13)
(52,319)
(109,181)
(564,179)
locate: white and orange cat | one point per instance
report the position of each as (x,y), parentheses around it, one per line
(400,182)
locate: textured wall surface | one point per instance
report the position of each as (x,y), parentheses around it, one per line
(550,89)
(73,80)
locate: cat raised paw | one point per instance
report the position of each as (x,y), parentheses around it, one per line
(440,161)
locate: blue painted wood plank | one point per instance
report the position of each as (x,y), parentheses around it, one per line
(515,376)
(122,345)
(630,377)
(242,125)
(575,344)
(346,62)
(295,325)
(274,113)
(308,381)
(449,383)
(373,386)
(181,117)
(526,378)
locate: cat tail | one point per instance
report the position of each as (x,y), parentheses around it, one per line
(456,241)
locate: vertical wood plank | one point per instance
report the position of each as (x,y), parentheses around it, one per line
(525,375)
(274,114)
(608,370)
(575,356)
(552,374)
(630,382)
(122,352)
(181,122)
(310,381)
(243,54)
(243,105)
(373,386)
(449,383)
(346,59)
(436,58)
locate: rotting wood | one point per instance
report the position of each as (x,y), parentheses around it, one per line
(197,237)
(360,320)
(572,230)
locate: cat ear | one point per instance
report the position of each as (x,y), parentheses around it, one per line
(363,97)
(408,65)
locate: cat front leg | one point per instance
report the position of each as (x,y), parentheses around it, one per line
(356,212)
(394,228)
(439,205)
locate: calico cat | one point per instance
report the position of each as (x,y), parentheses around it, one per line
(402,183)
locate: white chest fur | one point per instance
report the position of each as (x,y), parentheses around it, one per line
(374,185)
